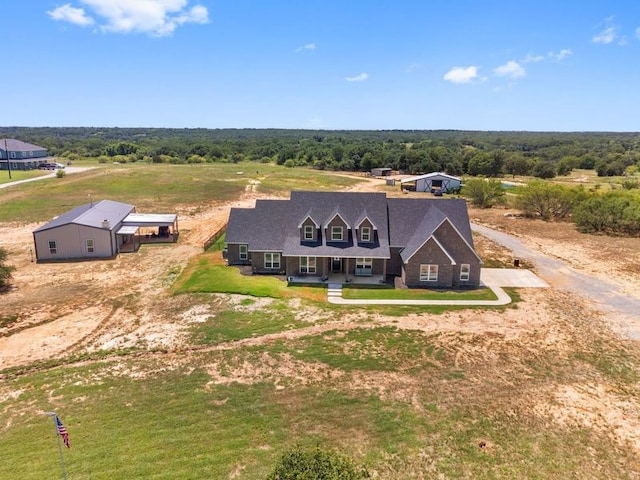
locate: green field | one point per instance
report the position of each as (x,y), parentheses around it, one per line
(158,187)
(17,175)
(398,401)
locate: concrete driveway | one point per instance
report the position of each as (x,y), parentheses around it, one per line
(511,277)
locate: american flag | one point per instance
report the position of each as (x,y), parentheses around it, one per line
(62,431)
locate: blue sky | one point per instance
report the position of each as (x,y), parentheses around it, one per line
(559,65)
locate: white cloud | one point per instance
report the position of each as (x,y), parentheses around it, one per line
(461,74)
(561,55)
(358,78)
(532,58)
(608,34)
(638,33)
(153,17)
(511,69)
(308,46)
(67,13)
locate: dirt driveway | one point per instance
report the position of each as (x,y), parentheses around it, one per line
(621,304)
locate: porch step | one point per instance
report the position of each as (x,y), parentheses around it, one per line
(334,290)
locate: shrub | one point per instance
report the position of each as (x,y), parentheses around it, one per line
(5,270)
(483,193)
(60,173)
(549,201)
(614,212)
(316,464)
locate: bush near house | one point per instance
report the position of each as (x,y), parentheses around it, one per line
(5,270)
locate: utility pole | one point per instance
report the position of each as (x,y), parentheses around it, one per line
(6,152)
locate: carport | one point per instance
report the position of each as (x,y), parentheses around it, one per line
(139,228)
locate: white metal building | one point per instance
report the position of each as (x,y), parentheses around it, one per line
(100,230)
(433,181)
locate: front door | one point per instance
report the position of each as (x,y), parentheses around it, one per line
(336,264)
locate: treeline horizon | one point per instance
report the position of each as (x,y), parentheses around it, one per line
(457,152)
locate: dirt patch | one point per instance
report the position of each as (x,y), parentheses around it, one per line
(594,406)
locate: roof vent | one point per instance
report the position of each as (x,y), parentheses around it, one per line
(106,224)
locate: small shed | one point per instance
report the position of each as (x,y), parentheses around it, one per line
(381,172)
(432,182)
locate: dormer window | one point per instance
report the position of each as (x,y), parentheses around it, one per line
(365,234)
(337,234)
(309,232)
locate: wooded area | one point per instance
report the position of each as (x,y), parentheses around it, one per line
(473,153)
(541,154)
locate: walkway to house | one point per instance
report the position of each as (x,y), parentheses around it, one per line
(493,278)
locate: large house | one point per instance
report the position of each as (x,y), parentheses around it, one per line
(352,236)
(101,230)
(23,156)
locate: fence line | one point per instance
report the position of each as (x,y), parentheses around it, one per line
(214,238)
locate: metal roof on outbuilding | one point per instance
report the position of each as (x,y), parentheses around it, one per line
(150,219)
(430,175)
(92,215)
(127,230)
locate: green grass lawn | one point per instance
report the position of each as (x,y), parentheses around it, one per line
(231,413)
(356,292)
(158,187)
(17,175)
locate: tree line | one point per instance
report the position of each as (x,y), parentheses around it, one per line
(615,212)
(490,154)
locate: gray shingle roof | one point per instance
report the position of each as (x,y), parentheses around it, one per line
(273,225)
(425,229)
(92,215)
(406,214)
(14,145)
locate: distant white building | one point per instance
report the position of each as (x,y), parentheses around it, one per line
(432,182)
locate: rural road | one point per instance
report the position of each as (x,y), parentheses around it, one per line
(607,296)
(48,175)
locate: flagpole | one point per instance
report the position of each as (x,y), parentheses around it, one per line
(55,426)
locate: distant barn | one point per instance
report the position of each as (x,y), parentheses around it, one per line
(381,172)
(432,182)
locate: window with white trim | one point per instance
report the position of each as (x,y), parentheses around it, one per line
(53,247)
(271,260)
(243,252)
(308,264)
(336,234)
(13,154)
(365,234)
(428,272)
(309,232)
(90,244)
(364,266)
(465,272)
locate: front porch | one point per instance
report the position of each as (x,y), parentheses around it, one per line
(338,278)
